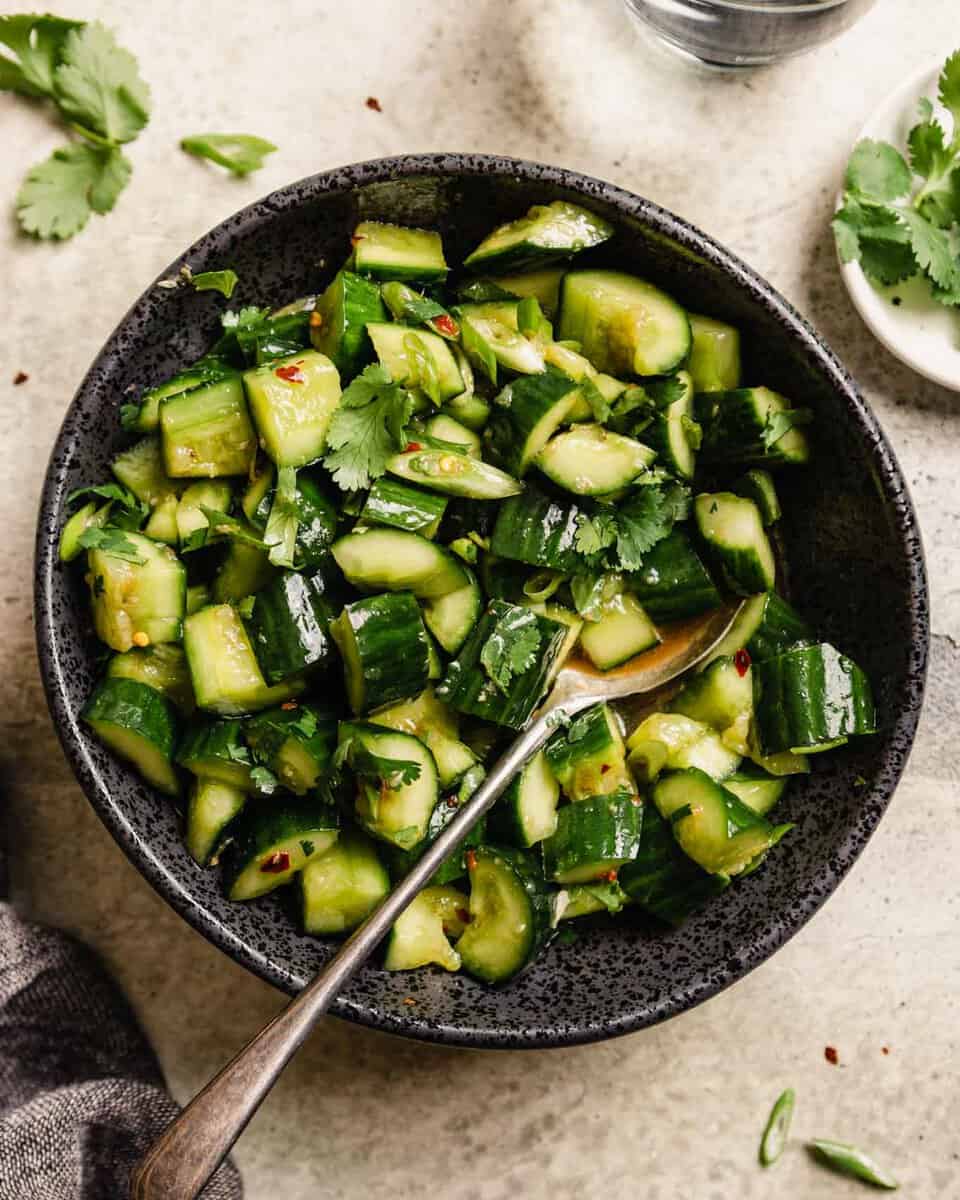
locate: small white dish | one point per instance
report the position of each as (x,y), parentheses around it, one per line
(920,332)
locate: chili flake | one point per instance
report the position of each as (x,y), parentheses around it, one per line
(446,324)
(470,858)
(831,1055)
(291,374)
(604,768)
(316,319)
(288,705)
(464,916)
(742,660)
(610,876)
(20,377)
(276,864)
(411,446)
(373,103)
(409,1001)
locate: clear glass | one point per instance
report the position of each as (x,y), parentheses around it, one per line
(745,33)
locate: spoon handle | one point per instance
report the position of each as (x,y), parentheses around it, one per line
(198,1140)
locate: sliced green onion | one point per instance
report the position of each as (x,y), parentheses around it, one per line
(848,1160)
(542,584)
(777,1128)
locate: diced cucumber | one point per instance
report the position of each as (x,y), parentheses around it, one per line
(527,811)
(385,251)
(162,523)
(674,434)
(217,750)
(732,529)
(765,625)
(292,401)
(198,596)
(401,506)
(454,867)
(385,649)
(296,742)
(711,825)
(289,627)
(389,809)
(137,603)
(757,485)
(227,679)
(271,841)
(714,355)
(574,627)
(454,474)
(688,743)
(244,571)
(493,329)
(673,582)
(588,899)
(391,559)
(90,516)
(207,432)
(529,411)
(757,789)
(625,325)
(510,914)
(417,358)
(470,410)
(341,888)
(436,726)
(338,325)
(719,696)
(410,307)
(536,529)
(419,937)
(589,758)
(190,517)
(738,424)
(137,722)
(810,698)
(593,839)
(148,417)
(163,667)
(211,808)
(623,631)
(542,286)
(141,469)
(447,429)
(589,460)
(548,232)
(451,618)
(255,501)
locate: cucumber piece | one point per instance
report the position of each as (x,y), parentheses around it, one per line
(289,627)
(341,888)
(735,424)
(589,758)
(137,603)
(417,358)
(385,251)
(295,742)
(413,308)
(385,649)
(711,825)
(162,667)
(390,810)
(766,625)
(401,506)
(623,631)
(141,469)
(589,460)
(139,724)
(688,743)
(674,434)
(662,879)
(271,842)
(535,529)
(719,696)
(527,811)
(673,582)
(594,838)
(454,867)
(147,417)
(436,726)
(338,325)
(714,362)
(316,524)
(391,559)
(529,411)
(419,937)
(90,516)
(574,627)
(210,809)
(758,790)
(732,529)
(469,689)
(548,232)
(454,474)
(587,899)
(510,914)
(446,429)
(217,750)
(809,699)
(452,617)
(757,485)
(256,499)
(192,525)
(469,410)
(244,571)
(542,286)
(226,675)
(161,525)
(624,325)
(493,329)
(292,401)
(198,596)
(207,432)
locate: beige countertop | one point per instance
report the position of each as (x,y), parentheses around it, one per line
(673,1113)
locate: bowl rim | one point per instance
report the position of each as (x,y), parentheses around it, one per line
(54,653)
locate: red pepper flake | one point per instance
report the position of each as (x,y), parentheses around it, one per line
(604,768)
(884,1049)
(276,864)
(610,876)
(453,802)
(20,377)
(374,103)
(471,860)
(464,916)
(741,660)
(445,324)
(413,446)
(831,1055)
(291,374)
(357,237)
(316,319)
(409,1001)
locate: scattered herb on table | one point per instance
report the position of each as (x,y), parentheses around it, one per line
(777,1129)
(240,153)
(848,1160)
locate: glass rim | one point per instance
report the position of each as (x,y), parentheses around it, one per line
(765,6)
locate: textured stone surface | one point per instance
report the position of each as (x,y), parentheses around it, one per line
(755,161)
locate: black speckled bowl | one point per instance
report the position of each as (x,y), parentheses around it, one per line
(854,548)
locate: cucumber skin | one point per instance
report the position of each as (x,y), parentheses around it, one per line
(733,433)
(289,627)
(781,628)
(520,408)
(534,529)
(259,826)
(674,582)
(592,743)
(451,869)
(809,696)
(598,829)
(400,505)
(392,646)
(318,521)
(124,702)
(354,301)
(216,740)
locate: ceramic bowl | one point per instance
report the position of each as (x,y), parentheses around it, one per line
(850,530)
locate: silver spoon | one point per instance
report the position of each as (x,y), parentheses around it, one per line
(194,1145)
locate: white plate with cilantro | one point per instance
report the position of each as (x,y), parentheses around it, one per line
(898,223)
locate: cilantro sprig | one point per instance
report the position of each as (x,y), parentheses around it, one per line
(895,226)
(511,649)
(393,773)
(618,538)
(367,428)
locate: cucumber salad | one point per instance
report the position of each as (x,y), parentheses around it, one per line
(345,554)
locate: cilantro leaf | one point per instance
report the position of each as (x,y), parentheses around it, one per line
(926,143)
(873,236)
(57,196)
(216,281)
(948,86)
(591,592)
(37,45)
(240,153)
(780,423)
(112,541)
(511,648)
(664,392)
(931,248)
(595,533)
(111,491)
(877,171)
(226,526)
(393,773)
(645,518)
(283,522)
(367,428)
(98,85)
(264,780)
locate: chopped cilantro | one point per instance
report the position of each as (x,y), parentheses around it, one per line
(283,522)
(112,541)
(111,491)
(645,518)
(511,648)
(216,281)
(98,85)
(595,533)
(367,428)
(393,773)
(240,153)
(37,44)
(780,423)
(307,847)
(264,780)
